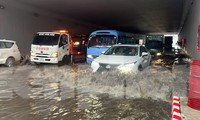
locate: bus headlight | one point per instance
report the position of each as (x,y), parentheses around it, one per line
(55,54)
(90,56)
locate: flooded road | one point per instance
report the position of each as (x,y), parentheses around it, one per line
(48,92)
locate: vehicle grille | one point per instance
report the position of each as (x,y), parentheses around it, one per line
(103,67)
(42,55)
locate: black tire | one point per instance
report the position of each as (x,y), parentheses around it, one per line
(66,59)
(150,63)
(10,62)
(60,63)
(36,63)
(140,68)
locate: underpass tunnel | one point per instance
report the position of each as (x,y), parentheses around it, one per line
(21,19)
(178,21)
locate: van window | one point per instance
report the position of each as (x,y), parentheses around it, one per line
(8,44)
(4,45)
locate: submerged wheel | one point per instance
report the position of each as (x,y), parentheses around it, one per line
(66,59)
(140,68)
(60,63)
(10,62)
(36,63)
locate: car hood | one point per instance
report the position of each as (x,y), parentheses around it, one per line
(111,59)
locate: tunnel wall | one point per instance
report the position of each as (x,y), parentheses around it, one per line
(190,29)
(20,22)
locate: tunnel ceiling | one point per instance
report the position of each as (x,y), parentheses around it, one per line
(141,16)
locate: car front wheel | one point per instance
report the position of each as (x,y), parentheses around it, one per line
(140,68)
(10,62)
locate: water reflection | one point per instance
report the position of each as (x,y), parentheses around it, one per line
(69,93)
(95,110)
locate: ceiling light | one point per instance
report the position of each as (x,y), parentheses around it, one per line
(2,7)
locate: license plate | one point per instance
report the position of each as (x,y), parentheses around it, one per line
(41,59)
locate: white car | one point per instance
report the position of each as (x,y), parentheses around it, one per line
(123,57)
(9,52)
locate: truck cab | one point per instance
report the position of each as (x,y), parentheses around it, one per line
(155,44)
(50,47)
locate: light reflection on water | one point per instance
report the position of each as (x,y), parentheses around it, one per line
(75,93)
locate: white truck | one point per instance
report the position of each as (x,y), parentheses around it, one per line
(57,47)
(51,47)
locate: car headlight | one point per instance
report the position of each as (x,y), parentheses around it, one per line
(127,68)
(32,53)
(55,54)
(95,66)
(158,54)
(90,56)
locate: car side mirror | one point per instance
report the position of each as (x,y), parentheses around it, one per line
(144,54)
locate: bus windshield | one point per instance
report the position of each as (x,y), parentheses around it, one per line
(102,40)
(46,39)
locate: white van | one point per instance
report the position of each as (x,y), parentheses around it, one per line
(9,52)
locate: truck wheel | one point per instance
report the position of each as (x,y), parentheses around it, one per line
(66,59)
(60,63)
(36,63)
(10,62)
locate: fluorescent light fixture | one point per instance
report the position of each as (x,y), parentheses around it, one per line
(2,7)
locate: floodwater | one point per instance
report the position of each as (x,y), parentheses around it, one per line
(73,92)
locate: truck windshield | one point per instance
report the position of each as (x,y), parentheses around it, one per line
(154,45)
(102,40)
(46,39)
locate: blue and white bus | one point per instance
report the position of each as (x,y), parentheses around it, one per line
(100,40)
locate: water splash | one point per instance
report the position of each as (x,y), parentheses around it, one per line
(153,82)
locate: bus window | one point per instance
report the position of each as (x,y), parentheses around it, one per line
(102,40)
(126,40)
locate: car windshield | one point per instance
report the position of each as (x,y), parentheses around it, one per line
(102,40)
(122,51)
(46,39)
